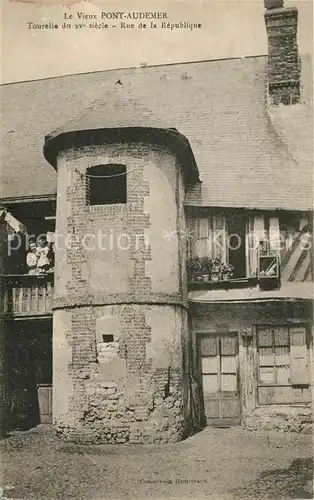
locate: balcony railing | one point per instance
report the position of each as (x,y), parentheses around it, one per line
(28,295)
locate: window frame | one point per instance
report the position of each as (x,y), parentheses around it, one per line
(290,328)
(92,177)
(259,227)
(216,230)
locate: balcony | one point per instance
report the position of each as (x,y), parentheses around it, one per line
(28,295)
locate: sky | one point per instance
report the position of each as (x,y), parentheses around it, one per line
(230,28)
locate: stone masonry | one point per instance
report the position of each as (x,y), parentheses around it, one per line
(283,55)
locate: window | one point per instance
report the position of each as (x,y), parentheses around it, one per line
(207,237)
(234,238)
(106,184)
(236,225)
(107,338)
(221,238)
(282,364)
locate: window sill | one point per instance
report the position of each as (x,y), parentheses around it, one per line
(223,285)
(275,385)
(110,208)
(286,404)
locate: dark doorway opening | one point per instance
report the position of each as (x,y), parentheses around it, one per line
(30,366)
(237,244)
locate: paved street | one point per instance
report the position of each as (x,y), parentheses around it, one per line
(219,464)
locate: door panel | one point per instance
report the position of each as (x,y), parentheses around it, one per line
(45,403)
(230,407)
(212,410)
(219,364)
(228,364)
(210,384)
(210,364)
(228,383)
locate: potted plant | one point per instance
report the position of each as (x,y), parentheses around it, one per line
(216,271)
(220,271)
(206,268)
(226,272)
(199,269)
(194,268)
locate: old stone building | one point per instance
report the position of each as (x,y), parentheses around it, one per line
(180,200)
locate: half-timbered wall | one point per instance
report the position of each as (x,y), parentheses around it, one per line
(275,359)
(288,235)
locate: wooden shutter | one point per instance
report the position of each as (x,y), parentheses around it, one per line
(190,229)
(219,236)
(198,242)
(251,249)
(274,233)
(203,241)
(210,237)
(199,234)
(259,230)
(298,357)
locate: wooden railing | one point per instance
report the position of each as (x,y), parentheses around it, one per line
(27,295)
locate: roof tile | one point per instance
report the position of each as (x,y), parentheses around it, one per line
(247,157)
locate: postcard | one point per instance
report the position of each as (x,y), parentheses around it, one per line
(156,264)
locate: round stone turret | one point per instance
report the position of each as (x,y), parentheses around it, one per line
(120,308)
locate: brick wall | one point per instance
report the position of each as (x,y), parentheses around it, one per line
(152,220)
(283,55)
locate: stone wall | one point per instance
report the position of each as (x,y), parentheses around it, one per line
(281,418)
(129,390)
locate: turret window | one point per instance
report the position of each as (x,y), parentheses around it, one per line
(106,184)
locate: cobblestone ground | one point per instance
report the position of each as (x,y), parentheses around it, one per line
(219,464)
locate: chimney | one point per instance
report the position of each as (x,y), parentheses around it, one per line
(283,54)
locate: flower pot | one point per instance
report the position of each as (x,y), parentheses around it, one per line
(226,277)
(215,278)
(205,278)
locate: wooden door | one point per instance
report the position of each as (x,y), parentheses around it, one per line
(45,403)
(219,364)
